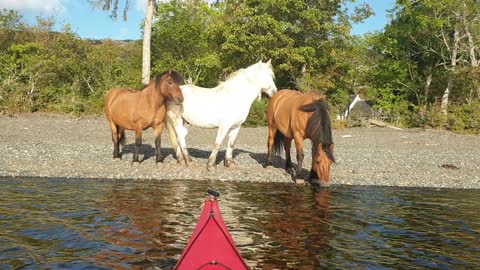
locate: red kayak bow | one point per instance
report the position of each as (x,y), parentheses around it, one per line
(211,245)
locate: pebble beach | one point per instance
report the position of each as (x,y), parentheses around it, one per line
(62,146)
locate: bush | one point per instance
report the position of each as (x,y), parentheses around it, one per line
(60,72)
(258,114)
(464,118)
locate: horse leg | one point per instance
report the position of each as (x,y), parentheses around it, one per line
(182,150)
(121,140)
(158,142)
(232,136)
(271,138)
(299,146)
(138,144)
(222,132)
(288,158)
(115,140)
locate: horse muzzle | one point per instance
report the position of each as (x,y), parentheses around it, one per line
(178,100)
(271,91)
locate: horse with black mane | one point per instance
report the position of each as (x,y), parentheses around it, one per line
(293,115)
(126,109)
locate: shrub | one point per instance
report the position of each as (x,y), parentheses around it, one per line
(258,114)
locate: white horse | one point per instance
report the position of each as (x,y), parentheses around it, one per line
(224,107)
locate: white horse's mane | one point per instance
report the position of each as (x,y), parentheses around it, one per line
(234,75)
(229,78)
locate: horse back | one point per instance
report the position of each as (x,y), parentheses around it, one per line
(114,94)
(284,111)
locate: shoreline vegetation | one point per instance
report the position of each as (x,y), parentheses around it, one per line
(62,146)
(422,70)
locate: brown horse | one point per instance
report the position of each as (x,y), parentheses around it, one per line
(294,115)
(126,109)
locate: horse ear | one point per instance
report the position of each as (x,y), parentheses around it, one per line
(260,61)
(169,72)
(269,61)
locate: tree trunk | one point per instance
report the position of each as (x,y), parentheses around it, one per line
(445,96)
(147,36)
(471,45)
(427,86)
(453,63)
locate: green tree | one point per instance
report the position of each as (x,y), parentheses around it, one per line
(112,6)
(45,70)
(181,40)
(424,56)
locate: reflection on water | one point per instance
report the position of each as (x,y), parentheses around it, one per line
(95,224)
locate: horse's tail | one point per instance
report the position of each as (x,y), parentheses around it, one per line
(278,143)
(319,128)
(172,135)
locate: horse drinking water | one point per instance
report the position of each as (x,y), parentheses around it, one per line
(126,109)
(293,115)
(225,106)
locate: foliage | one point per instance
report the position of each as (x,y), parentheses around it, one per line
(418,57)
(57,71)
(404,70)
(258,114)
(181,41)
(464,118)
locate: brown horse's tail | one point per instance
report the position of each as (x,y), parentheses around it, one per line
(319,128)
(278,143)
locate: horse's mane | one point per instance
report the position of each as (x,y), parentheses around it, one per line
(221,84)
(158,78)
(174,75)
(230,76)
(319,128)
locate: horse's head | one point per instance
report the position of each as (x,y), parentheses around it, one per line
(265,77)
(321,162)
(169,85)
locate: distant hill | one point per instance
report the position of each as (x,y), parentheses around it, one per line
(119,42)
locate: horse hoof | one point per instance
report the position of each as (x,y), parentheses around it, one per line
(269,163)
(300,181)
(230,163)
(319,183)
(290,171)
(210,166)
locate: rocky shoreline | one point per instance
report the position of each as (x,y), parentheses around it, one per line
(42,145)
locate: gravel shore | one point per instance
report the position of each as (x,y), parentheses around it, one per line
(40,145)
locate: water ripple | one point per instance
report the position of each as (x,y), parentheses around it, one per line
(90,224)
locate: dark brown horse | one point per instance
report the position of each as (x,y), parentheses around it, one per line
(127,109)
(295,116)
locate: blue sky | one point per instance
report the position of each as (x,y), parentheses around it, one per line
(95,23)
(376,22)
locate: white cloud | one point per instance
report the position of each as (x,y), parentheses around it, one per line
(49,7)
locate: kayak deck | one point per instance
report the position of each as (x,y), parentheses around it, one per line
(211,246)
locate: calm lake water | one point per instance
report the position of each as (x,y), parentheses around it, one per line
(100,224)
